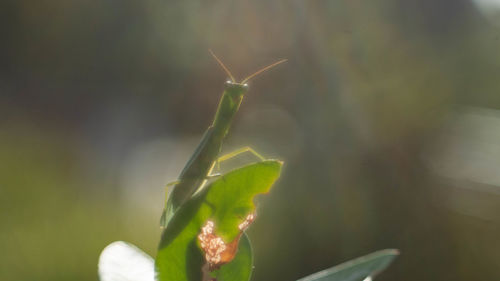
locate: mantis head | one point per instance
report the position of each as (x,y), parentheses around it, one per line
(240,88)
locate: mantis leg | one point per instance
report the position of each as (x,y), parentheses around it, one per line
(172,183)
(236,153)
(223,158)
(169,185)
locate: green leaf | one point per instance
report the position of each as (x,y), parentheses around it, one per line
(357,269)
(241,267)
(227,202)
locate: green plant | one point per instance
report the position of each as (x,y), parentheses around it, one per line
(204,238)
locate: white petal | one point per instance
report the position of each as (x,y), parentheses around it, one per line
(121,261)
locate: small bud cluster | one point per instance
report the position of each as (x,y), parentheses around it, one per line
(217,252)
(244,225)
(212,245)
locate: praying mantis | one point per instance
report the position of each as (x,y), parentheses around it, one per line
(177,259)
(198,169)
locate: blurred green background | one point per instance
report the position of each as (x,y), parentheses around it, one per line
(387,115)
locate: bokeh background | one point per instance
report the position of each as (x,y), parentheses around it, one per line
(387,115)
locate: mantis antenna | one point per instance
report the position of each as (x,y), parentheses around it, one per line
(249,77)
(223,66)
(262,70)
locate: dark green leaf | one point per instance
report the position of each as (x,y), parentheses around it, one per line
(357,269)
